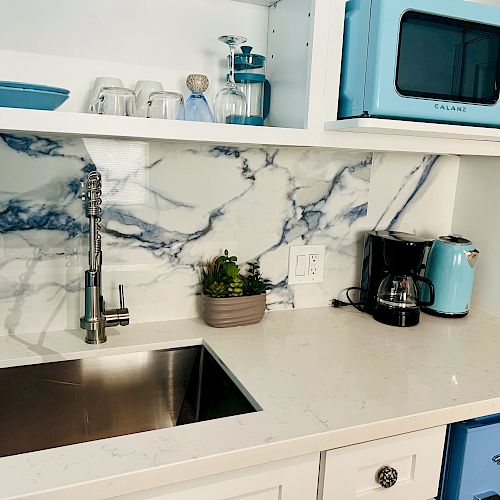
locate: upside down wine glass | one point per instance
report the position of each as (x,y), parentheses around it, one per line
(230,103)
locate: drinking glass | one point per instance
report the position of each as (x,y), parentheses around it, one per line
(99,83)
(230,103)
(166,105)
(114,101)
(143,89)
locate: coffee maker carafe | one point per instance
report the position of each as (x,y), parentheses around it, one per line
(391,277)
(398,302)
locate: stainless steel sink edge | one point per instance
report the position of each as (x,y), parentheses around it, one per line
(233,377)
(114,392)
(97,350)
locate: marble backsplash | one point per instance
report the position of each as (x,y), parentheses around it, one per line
(166,207)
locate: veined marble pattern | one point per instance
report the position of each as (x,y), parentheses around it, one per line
(176,204)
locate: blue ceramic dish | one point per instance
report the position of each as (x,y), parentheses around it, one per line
(30,96)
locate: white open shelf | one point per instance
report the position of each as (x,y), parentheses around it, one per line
(399,135)
(368,134)
(264,3)
(88,125)
(410,128)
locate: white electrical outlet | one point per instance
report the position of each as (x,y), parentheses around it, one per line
(306,264)
(313,264)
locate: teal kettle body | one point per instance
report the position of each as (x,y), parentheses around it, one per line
(450,266)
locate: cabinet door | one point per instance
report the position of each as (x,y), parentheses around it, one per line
(294,479)
(351,473)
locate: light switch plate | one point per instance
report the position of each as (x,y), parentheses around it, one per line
(306,264)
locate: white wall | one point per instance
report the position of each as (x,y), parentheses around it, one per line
(476,216)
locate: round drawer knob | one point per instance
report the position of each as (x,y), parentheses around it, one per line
(387,477)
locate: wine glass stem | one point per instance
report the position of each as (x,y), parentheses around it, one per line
(231,65)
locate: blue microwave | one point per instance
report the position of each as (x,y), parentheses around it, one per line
(421,60)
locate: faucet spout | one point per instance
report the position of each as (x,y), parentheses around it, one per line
(96,318)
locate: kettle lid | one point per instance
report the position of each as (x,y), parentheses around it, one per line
(455,239)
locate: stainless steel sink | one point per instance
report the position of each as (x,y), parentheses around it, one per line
(56,404)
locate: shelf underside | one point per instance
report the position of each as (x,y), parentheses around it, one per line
(411,128)
(366,134)
(399,135)
(88,125)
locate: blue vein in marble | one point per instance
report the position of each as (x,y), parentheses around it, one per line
(311,216)
(356,213)
(19,215)
(16,216)
(424,169)
(312,213)
(33,145)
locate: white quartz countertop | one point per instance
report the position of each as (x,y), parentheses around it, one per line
(325,378)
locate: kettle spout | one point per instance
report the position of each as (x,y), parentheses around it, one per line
(472,256)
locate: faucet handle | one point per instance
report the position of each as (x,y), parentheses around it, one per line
(119,316)
(123,315)
(122,297)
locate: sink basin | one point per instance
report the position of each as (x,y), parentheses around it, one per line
(67,402)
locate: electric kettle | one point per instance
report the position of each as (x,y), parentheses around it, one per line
(450,266)
(250,78)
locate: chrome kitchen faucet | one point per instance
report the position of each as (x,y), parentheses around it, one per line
(96,317)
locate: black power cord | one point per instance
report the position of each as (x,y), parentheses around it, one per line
(350,302)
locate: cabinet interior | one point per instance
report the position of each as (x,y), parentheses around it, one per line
(158,40)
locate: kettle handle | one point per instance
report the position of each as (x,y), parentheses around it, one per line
(267,98)
(432,291)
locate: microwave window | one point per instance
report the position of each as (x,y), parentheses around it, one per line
(448,59)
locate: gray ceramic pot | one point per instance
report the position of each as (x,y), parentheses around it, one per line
(233,311)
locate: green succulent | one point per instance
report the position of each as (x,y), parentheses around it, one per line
(217,290)
(255,284)
(211,272)
(221,277)
(236,287)
(229,265)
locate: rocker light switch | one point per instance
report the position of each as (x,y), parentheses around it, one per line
(300,268)
(306,264)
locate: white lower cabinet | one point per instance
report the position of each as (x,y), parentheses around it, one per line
(352,473)
(293,479)
(412,465)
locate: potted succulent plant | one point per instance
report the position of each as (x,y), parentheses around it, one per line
(230,297)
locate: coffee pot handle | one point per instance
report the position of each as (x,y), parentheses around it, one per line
(432,291)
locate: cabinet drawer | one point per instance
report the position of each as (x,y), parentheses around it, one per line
(293,479)
(351,472)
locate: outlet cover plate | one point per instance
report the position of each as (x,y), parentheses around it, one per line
(306,264)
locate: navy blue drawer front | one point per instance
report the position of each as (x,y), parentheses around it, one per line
(472,467)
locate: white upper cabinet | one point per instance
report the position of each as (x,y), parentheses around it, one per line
(69,44)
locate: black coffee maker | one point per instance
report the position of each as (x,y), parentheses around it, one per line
(391,281)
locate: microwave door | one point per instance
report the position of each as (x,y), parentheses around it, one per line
(475,74)
(447,59)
